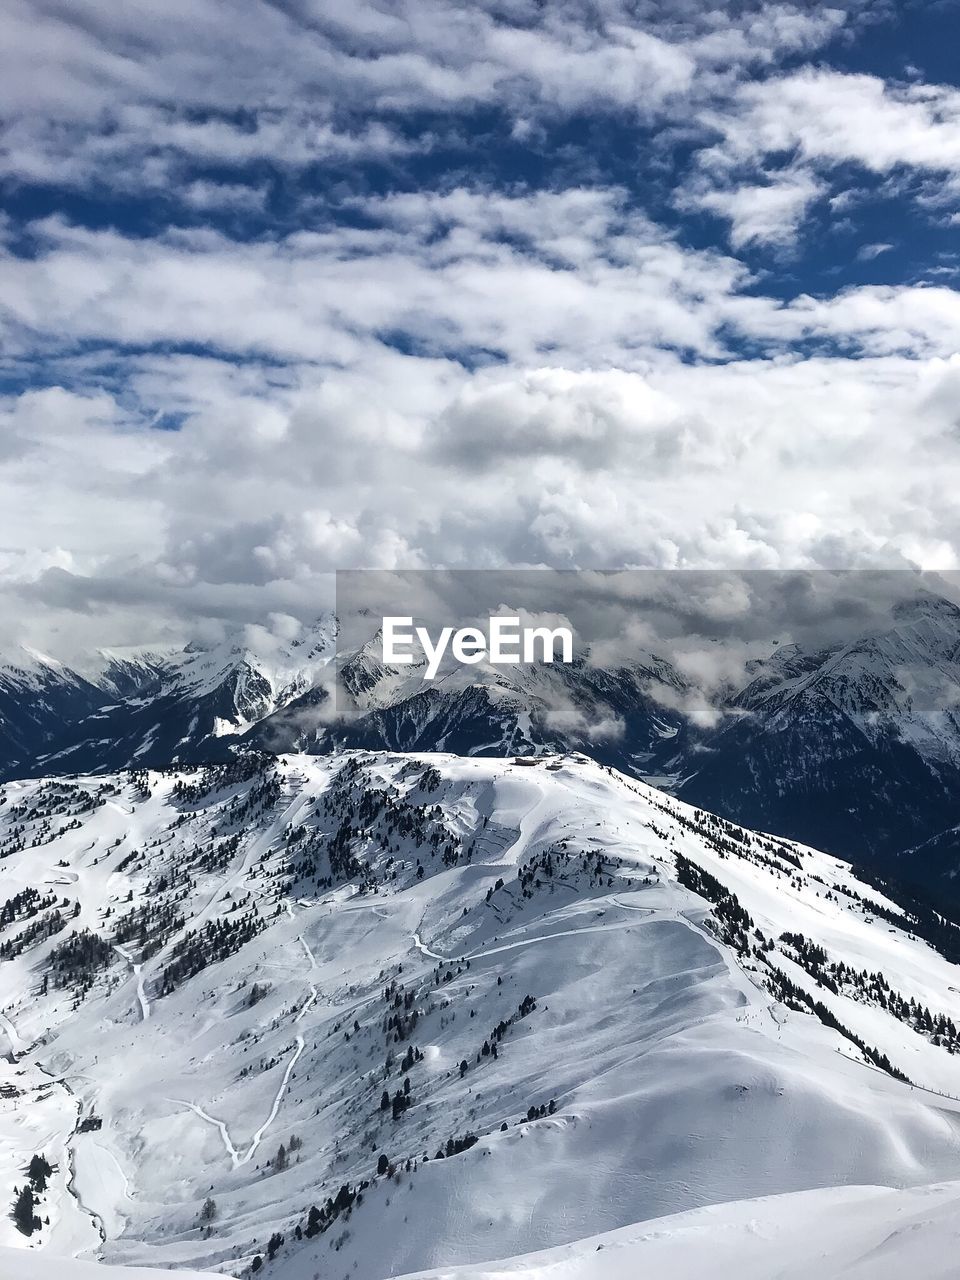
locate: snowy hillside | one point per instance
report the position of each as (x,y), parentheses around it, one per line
(855,1233)
(373,1014)
(17,1264)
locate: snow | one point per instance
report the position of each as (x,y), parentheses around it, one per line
(21,1264)
(681,1086)
(851,1233)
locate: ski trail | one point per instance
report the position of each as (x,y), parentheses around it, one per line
(422,947)
(310,956)
(199,1111)
(547,937)
(650,912)
(16,1044)
(628,906)
(119,1168)
(138,974)
(236,1159)
(307,1003)
(257,1137)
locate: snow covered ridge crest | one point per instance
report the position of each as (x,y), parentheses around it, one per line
(374,1014)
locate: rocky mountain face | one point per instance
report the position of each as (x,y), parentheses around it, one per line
(150,708)
(856,748)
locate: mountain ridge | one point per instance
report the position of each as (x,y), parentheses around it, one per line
(668,1004)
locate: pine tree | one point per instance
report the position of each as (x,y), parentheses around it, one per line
(38,1171)
(23,1215)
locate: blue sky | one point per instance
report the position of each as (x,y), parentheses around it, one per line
(296,286)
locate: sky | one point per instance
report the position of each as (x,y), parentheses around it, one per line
(296,286)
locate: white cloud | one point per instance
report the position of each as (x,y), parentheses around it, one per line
(867,252)
(416,376)
(129,94)
(820,119)
(765,213)
(266,490)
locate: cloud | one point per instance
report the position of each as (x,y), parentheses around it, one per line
(767,213)
(91,93)
(430,284)
(797,130)
(265,490)
(867,252)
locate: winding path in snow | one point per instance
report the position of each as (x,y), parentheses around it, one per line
(236,1159)
(307,1003)
(219,1124)
(138,974)
(432,955)
(310,956)
(258,1136)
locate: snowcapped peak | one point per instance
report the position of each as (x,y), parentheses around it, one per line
(926,604)
(29,668)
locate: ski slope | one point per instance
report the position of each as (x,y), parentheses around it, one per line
(648,1065)
(848,1233)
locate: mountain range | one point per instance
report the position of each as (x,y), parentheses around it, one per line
(854,747)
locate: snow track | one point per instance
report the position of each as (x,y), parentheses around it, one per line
(138,974)
(236,1158)
(310,956)
(258,1136)
(306,1004)
(218,1124)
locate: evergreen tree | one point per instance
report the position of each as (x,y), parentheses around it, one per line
(38,1171)
(23,1215)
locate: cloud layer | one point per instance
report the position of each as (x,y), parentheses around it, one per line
(302,287)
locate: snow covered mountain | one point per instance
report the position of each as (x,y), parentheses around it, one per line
(38,696)
(150,707)
(853,747)
(375,1014)
(496,710)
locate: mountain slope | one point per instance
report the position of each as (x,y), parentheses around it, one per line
(38,696)
(148,708)
(856,748)
(850,1233)
(17,1264)
(609,1007)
